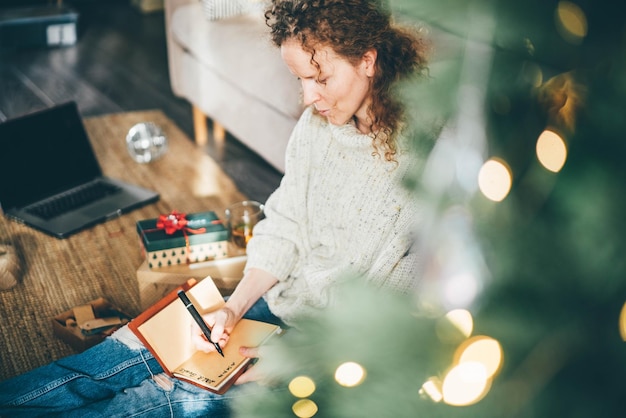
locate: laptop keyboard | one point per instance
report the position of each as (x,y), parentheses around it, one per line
(73,199)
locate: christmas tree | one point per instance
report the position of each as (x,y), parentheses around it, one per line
(521,309)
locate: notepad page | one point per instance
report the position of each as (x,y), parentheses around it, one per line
(211,369)
(169,330)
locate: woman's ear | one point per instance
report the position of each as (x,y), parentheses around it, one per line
(369,62)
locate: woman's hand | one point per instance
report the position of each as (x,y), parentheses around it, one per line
(252,373)
(221,323)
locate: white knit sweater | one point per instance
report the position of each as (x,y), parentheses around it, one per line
(339,209)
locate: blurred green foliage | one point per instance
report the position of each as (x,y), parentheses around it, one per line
(554,248)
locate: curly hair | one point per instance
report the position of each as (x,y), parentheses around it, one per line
(351,28)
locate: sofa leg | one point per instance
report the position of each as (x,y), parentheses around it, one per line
(200,129)
(219,137)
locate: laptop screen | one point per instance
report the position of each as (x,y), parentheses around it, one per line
(44,153)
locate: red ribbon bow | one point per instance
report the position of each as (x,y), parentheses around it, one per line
(173,222)
(177,221)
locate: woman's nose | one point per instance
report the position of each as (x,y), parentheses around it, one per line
(310,94)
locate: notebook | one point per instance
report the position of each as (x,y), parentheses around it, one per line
(50,178)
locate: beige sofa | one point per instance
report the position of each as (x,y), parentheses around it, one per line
(231,73)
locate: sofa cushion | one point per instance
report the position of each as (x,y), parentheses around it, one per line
(232,47)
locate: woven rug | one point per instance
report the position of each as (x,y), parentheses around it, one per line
(102,261)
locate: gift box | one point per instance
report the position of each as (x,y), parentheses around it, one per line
(86,325)
(155,283)
(179,238)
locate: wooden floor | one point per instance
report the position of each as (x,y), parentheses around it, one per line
(118,64)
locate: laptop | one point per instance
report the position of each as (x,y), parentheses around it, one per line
(50,178)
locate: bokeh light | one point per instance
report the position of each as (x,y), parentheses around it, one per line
(431,389)
(494,180)
(350,374)
(462,320)
(481,349)
(455,326)
(304,408)
(571,22)
(302,386)
(551,150)
(465,384)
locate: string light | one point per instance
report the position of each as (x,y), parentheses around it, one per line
(465,384)
(494,180)
(455,326)
(304,408)
(481,349)
(551,151)
(571,22)
(476,361)
(432,389)
(302,386)
(462,320)
(350,374)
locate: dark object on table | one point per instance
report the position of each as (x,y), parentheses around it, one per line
(38,26)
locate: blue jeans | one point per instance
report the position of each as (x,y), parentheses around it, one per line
(116,378)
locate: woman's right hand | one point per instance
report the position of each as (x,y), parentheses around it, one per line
(221,323)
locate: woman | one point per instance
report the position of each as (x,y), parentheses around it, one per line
(340,209)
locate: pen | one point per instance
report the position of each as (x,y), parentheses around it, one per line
(196,316)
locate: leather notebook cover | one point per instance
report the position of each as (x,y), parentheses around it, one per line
(165,329)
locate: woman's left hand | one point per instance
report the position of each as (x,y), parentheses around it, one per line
(252,373)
